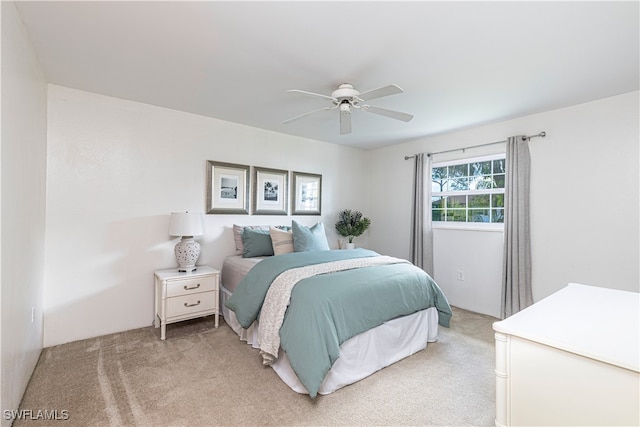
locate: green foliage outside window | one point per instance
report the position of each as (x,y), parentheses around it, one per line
(469,192)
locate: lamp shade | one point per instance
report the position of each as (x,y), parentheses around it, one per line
(186,224)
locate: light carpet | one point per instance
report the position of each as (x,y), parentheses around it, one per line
(203,376)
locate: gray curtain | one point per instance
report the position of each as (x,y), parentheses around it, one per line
(516,280)
(421,230)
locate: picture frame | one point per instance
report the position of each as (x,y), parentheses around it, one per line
(227,188)
(270,191)
(306,198)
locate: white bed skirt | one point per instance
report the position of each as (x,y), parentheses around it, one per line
(361,355)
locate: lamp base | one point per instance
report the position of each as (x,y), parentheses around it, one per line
(187,253)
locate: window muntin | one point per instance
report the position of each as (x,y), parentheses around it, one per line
(469,191)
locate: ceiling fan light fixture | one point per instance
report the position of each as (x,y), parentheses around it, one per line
(345,91)
(346,97)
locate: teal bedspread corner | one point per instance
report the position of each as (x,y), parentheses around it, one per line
(444,315)
(442,305)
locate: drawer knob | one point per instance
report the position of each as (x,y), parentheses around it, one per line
(186,288)
(191,305)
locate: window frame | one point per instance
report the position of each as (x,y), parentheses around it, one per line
(459,225)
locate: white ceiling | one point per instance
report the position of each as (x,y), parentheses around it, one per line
(459,63)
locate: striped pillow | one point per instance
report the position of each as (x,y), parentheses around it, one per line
(282,241)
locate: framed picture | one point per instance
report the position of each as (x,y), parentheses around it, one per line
(270,194)
(307,194)
(227,188)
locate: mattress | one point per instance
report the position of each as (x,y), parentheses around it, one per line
(234,268)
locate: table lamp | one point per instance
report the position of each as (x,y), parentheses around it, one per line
(187,250)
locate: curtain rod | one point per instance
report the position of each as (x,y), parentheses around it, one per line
(539,135)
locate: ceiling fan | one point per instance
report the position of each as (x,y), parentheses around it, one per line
(346,98)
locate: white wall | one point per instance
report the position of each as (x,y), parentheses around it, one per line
(116,169)
(584,198)
(23,207)
(478,255)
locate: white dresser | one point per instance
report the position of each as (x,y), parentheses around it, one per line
(570,359)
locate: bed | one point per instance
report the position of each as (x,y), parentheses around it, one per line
(323,319)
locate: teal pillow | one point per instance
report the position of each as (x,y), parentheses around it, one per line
(307,239)
(256,242)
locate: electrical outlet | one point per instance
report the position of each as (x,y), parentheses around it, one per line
(33,314)
(460,275)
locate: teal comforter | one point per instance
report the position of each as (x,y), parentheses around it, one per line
(328,309)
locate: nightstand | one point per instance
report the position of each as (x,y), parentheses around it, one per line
(181,296)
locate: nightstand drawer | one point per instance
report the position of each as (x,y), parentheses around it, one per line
(190,286)
(181,305)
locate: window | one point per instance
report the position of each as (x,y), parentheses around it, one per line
(471,192)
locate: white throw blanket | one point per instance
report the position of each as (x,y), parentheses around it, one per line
(279,294)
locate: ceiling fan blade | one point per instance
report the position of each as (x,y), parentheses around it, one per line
(305,114)
(304,92)
(380,92)
(345,121)
(388,113)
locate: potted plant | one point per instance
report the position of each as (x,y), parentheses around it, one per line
(351,224)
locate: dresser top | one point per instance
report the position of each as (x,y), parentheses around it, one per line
(175,274)
(599,323)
